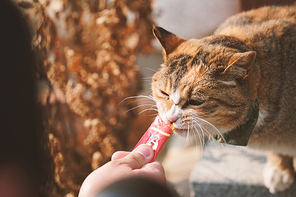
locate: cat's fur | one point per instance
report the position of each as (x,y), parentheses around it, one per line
(206,85)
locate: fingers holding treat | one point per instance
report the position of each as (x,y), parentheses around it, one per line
(156,135)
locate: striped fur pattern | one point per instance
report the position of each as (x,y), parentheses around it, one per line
(205,86)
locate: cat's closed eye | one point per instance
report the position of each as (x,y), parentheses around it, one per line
(193,103)
(165,94)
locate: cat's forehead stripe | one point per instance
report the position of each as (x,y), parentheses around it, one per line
(177,68)
(175,62)
(185,66)
(199,57)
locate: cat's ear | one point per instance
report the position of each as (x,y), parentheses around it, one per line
(168,40)
(240,63)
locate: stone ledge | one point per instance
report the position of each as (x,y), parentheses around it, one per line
(226,170)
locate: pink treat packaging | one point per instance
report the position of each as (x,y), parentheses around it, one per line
(156,135)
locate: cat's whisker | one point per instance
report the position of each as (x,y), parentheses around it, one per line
(133,108)
(194,133)
(152,98)
(146,78)
(201,139)
(200,128)
(150,109)
(182,123)
(202,134)
(188,134)
(130,97)
(186,140)
(204,129)
(138,97)
(212,126)
(151,69)
(152,115)
(191,129)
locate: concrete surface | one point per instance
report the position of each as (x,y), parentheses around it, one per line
(226,170)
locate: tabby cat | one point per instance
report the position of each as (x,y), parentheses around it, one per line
(208,85)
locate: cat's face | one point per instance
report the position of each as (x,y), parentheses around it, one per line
(202,84)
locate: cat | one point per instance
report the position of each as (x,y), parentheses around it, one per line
(209,85)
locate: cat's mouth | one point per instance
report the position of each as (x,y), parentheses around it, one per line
(182,131)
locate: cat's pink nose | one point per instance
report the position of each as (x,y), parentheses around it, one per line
(173,119)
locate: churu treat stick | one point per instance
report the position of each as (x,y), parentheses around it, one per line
(156,135)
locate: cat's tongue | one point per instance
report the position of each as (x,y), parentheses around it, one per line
(156,135)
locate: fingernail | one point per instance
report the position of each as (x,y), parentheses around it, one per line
(146,151)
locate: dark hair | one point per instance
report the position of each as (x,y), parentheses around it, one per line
(20,123)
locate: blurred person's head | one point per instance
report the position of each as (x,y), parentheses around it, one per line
(20,123)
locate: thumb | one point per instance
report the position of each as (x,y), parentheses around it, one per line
(139,157)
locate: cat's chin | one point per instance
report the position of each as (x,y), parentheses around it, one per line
(191,132)
(182,132)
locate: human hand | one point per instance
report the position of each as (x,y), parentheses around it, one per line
(123,165)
